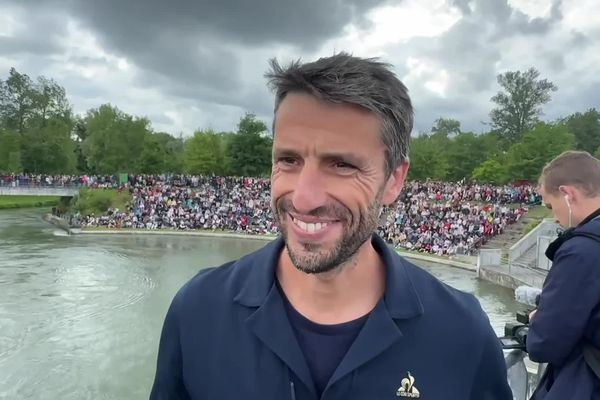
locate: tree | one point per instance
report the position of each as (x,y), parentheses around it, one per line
(173,151)
(463,154)
(448,126)
(492,171)
(50,100)
(586,128)
(17,100)
(249,124)
(204,154)
(427,158)
(10,152)
(49,148)
(153,156)
(114,140)
(525,159)
(249,154)
(519,105)
(79,134)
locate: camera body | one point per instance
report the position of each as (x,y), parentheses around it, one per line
(515,332)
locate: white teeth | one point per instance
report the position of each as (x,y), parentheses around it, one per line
(309,227)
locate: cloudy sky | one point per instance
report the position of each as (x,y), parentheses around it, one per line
(188,64)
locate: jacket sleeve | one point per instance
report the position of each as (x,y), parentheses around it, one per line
(168,381)
(570,294)
(491,381)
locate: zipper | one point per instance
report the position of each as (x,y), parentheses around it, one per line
(292,390)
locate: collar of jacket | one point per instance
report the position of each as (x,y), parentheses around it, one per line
(401,298)
(568,234)
(256,280)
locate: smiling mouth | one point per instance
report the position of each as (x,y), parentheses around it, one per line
(310,227)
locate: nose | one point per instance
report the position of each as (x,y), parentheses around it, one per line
(310,190)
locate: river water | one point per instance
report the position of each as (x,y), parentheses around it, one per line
(80,316)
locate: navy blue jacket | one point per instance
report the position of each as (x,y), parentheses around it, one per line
(568,315)
(226,336)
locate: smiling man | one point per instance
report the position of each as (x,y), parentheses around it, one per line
(328,311)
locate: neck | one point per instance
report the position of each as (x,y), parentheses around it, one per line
(344,294)
(589,207)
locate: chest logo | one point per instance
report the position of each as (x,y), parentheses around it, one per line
(408,389)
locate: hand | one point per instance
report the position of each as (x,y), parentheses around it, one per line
(531,314)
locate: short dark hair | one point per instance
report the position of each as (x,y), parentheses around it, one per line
(575,168)
(366,82)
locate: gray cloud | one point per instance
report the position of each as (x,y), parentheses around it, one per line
(188,48)
(204,60)
(256,23)
(487,35)
(37,32)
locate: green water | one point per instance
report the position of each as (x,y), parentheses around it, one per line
(80,316)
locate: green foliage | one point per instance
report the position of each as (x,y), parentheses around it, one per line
(526,158)
(204,154)
(17,100)
(39,134)
(48,148)
(7,202)
(427,159)
(492,171)
(10,152)
(249,154)
(161,152)
(519,104)
(463,154)
(586,128)
(98,201)
(449,154)
(447,126)
(173,152)
(249,124)
(114,141)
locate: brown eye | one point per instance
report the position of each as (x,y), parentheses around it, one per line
(287,160)
(344,165)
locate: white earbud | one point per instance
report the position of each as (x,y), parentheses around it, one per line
(570,210)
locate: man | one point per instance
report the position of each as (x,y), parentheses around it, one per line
(328,311)
(568,316)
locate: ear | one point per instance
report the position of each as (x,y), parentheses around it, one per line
(568,192)
(395,183)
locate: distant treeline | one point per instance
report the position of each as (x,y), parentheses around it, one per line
(39,133)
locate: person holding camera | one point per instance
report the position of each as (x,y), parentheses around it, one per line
(565,328)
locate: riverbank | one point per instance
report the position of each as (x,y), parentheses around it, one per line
(471,266)
(12,202)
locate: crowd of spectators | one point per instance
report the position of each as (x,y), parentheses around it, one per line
(433,217)
(40,180)
(192,202)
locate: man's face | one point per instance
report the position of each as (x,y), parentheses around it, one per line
(557,203)
(328,182)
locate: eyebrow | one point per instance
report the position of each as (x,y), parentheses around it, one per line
(346,157)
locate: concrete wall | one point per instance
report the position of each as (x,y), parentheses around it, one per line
(542,260)
(36,191)
(546,228)
(489,257)
(500,278)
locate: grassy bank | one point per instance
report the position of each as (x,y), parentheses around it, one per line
(98,201)
(7,202)
(535,216)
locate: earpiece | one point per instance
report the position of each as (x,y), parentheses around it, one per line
(566,196)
